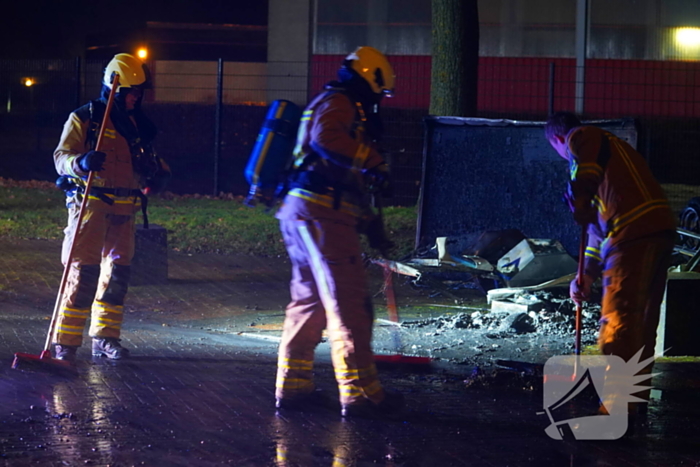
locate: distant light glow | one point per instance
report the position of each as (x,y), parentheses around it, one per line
(28,82)
(688,37)
(142,53)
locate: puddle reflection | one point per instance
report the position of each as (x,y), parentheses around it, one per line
(83,417)
(297,446)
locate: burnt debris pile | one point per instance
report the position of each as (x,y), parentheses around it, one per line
(555,317)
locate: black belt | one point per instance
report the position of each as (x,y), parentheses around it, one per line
(121,192)
(101,193)
(317,183)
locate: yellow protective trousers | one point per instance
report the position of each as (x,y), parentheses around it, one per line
(634,281)
(98,277)
(328,290)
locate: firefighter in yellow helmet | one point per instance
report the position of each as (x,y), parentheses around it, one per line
(125,167)
(337,165)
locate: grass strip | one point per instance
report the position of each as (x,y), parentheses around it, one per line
(195,223)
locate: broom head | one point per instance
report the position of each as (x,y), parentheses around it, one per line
(43,360)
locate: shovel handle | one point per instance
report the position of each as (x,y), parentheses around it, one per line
(579,280)
(391,308)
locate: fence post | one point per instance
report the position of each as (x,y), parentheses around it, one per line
(78,82)
(217,122)
(582,24)
(550,107)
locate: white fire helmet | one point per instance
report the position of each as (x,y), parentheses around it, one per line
(133,73)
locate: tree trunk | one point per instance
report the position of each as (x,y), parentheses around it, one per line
(453,87)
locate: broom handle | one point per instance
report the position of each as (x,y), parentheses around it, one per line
(81,213)
(579,280)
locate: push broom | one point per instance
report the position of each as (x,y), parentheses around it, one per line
(392,310)
(44,359)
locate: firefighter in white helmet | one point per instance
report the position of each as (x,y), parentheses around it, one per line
(125,167)
(337,165)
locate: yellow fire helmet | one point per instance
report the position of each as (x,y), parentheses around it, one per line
(374,68)
(133,73)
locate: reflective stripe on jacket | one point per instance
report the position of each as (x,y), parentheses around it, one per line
(333,143)
(616,179)
(117,173)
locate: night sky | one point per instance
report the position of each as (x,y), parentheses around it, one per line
(57,29)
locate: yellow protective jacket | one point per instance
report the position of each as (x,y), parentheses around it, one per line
(332,146)
(609,174)
(118,172)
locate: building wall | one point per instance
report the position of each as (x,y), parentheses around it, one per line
(196,81)
(513,87)
(619,29)
(289,49)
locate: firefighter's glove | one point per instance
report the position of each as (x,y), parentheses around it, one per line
(157,183)
(581,292)
(376,235)
(160,179)
(583,209)
(92,161)
(377,179)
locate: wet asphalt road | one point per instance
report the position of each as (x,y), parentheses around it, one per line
(197,394)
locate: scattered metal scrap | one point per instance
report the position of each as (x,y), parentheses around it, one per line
(528,263)
(688,247)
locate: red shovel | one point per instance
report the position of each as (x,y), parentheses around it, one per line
(579,279)
(392,310)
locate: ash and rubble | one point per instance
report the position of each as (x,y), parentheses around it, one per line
(480,338)
(556,318)
(529,316)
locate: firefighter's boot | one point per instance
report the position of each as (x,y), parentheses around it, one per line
(315,398)
(392,403)
(108,347)
(65,352)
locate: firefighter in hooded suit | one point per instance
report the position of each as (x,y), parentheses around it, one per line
(336,163)
(125,168)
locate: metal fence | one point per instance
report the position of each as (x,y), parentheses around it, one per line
(209,113)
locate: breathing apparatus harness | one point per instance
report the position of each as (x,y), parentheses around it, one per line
(144,160)
(313,180)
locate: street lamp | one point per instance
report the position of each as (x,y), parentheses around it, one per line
(142,53)
(683,43)
(27,82)
(688,37)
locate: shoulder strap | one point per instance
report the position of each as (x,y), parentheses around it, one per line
(84,112)
(97,111)
(360,116)
(94,112)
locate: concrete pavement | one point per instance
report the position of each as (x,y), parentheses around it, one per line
(199,391)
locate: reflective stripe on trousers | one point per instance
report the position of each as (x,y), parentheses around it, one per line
(105,243)
(328,290)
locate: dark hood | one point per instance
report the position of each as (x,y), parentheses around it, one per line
(143,133)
